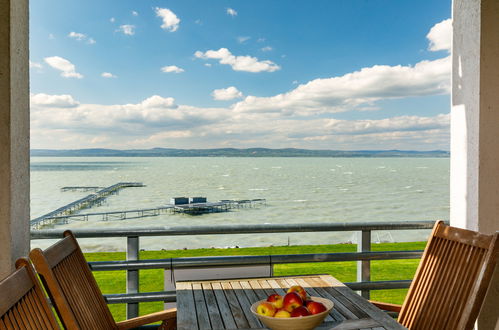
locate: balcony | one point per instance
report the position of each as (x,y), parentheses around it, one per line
(239,265)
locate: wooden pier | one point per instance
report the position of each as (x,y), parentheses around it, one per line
(191,209)
(82,203)
(82,188)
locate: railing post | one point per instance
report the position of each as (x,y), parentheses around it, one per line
(364,266)
(132,276)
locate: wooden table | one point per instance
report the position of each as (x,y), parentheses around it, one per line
(225,304)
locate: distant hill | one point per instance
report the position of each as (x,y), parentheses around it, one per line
(233,152)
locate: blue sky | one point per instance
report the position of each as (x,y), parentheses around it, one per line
(204,74)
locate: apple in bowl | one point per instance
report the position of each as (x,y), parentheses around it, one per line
(300,317)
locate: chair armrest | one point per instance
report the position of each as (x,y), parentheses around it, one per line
(168,315)
(386,306)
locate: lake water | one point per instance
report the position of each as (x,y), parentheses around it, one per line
(298,190)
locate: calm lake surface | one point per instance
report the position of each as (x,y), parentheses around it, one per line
(298,190)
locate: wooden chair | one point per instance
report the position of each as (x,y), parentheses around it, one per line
(75,293)
(450,283)
(23,305)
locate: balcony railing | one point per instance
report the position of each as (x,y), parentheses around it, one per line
(132,264)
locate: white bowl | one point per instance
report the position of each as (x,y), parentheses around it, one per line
(294,323)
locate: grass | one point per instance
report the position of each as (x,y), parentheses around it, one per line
(152,279)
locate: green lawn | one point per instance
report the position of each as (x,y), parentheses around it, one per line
(152,280)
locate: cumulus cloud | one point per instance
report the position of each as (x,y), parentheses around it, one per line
(127,29)
(440,36)
(225,94)
(172,69)
(56,101)
(170,20)
(77,36)
(266,49)
(60,121)
(112,20)
(363,87)
(134,13)
(81,37)
(231,12)
(108,75)
(238,63)
(157,101)
(68,70)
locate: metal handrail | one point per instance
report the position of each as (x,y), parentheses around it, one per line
(220,261)
(235,229)
(132,264)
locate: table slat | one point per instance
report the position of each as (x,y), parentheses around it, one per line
(212,305)
(235,307)
(200,303)
(248,290)
(266,287)
(223,306)
(350,309)
(185,302)
(277,288)
(245,304)
(257,288)
(373,312)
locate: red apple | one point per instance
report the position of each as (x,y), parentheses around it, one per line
(266,308)
(300,311)
(300,290)
(276,300)
(315,307)
(291,301)
(282,313)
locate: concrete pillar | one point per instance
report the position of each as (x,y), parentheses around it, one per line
(475,128)
(14,133)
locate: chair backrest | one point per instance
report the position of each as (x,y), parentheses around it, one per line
(71,285)
(451,280)
(23,304)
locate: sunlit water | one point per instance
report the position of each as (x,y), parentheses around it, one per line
(298,190)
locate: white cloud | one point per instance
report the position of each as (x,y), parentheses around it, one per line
(172,69)
(208,65)
(58,121)
(356,89)
(68,70)
(170,20)
(260,40)
(440,36)
(134,13)
(266,49)
(158,102)
(243,39)
(238,63)
(231,12)
(77,36)
(81,37)
(35,65)
(112,20)
(56,101)
(108,75)
(127,29)
(225,94)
